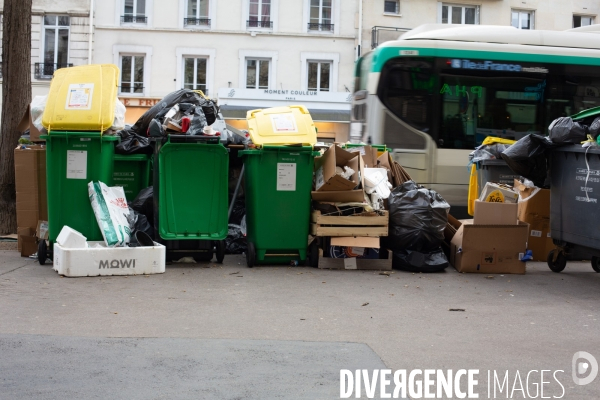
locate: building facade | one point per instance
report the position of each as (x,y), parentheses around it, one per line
(385,20)
(247,53)
(60,37)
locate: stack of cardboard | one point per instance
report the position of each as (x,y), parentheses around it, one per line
(344,179)
(493,242)
(32,204)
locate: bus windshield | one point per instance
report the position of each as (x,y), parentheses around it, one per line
(459,106)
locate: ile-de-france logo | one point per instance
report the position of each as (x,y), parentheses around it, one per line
(455,63)
(231,93)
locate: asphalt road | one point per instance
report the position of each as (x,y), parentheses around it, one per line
(228,332)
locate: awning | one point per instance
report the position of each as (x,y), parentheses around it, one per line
(319,115)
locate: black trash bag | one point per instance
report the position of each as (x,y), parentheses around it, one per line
(415,261)
(418,217)
(595,128)
(488,152)
(138,222)
(529,158)
(179,96)
(238,211)
(132,143)
(235,242)
(144,203)
(564,130)
(198,122)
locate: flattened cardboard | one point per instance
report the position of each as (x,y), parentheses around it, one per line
(534,209)
(495,213)
(368,154)
(361,263)
(30,184)
(327,179)
(489,249)
(27,242)
(27,122)
(370,242)
(344,196)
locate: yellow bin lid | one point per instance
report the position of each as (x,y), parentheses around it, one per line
(82,98)
(282,126)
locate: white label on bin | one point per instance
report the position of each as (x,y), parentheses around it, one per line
(350,263)
(286,176)
(76,164)
(535,233)
(79,96)
(283,123)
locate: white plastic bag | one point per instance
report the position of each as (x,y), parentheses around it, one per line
(111,211)
(119,121)
(37,106)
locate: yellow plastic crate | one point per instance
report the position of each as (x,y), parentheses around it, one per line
(281,126)
(82,98)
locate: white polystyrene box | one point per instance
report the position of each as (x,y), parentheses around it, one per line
(69,238)
(95,261)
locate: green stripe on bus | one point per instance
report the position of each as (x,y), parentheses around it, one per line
(384,54)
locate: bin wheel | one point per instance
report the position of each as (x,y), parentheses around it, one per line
(313,254)
(220,251)
(596,264)
(250,255)
(42,252)
(559,264)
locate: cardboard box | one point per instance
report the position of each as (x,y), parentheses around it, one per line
(498,193)
(495,213)
(534,209)
(489,249)
(357,263)
(368,154)
(27,123)
(27,242)
(30,183)
(97,259)
(332,187)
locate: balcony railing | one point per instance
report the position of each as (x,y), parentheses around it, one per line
(45,71)
(320,27)
(259,24)
(134,19)
(196,21)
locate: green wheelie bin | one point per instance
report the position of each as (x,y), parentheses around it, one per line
(190,196)
(73,159)
(278,181)
(132,172)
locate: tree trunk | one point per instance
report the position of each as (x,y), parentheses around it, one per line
(16,96)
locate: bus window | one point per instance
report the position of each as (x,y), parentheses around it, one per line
(476,107)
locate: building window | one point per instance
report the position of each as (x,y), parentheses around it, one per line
(194,73)
(391,7)
(259,15)
(319,76)
(134,12)
(459,14)
(56,45)
(197,13)
(257,73)
(320,16)
(582,20)
(522,19)
(132,74)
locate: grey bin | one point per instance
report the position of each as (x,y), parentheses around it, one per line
(494,171)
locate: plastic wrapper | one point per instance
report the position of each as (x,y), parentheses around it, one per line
(235,243)
(488,152)
(138,222)
(564,130)
(198,122)
(119,121)
(415,261)
(529,158)
(111,211)
(418,217)
(144,204)
(37,106)
(238,211)
(132,143)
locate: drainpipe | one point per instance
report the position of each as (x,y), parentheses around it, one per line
(360,27)
(90,44)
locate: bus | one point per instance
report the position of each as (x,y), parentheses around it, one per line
(438,91)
